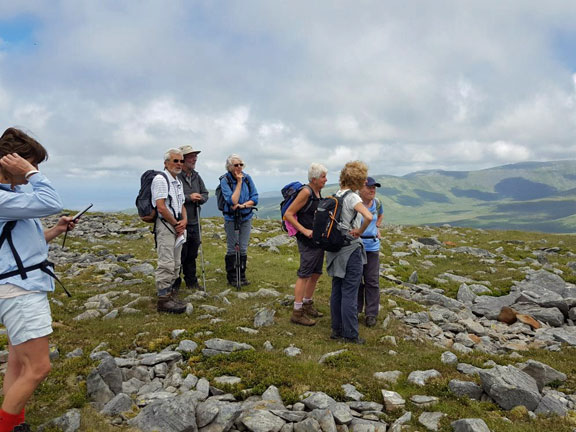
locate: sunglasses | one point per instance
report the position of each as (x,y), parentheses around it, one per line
(239,165)
(178,160)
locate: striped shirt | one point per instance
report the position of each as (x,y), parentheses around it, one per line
(160,191)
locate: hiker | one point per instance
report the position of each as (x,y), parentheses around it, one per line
(240,196)
(301,215)
(369,291)
(24,308)
(169,227)
(345,266)
(195,194)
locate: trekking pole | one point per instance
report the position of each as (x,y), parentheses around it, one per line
(237,263)
(201,248)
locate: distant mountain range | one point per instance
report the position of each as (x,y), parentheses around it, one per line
(529,196)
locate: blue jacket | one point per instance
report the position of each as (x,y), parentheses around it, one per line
(247,193)
(28,234)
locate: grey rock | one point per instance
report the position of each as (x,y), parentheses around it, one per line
(161,357)
(144,268)
(544,298)
(69,422)
(175,414)
(400,421)
(98,391)
(362,425)
(331,354)
(272,394)
(420,377)
(119,404)
(551,405)
(187,346)
(89,314)
(351,393)
(341,413)
(490,307)
(264,318)
(431,420)
(470,425)
(206,412)
(465,388)
(292,351)
(552,315)
(429,241)
(413,278)
(388,376)
(259,420)
(203,387)
(468,369)
(111,315)
(227,380)
(318,400)
(290,416)
(324,418)
(509,387)
(542,373)
(78,352)
(365,406)
(308,425)
(465,295)
(449,358)
(132,386)
(189,382)
(227,415)
(392,400)
(423,401)
(222,346)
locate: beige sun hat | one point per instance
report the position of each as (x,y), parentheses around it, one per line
(188,149)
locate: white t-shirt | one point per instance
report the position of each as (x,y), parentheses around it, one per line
(348,211)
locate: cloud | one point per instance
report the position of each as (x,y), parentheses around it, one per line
(402,86)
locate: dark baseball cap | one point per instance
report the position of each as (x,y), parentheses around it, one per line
(371,182)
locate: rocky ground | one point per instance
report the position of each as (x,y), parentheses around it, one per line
(149,390)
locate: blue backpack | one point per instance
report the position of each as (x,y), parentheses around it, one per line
(289,193)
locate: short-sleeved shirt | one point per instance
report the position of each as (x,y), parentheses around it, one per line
(160,190)
(350,217)
(372,244)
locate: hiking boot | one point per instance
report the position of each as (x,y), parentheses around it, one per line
(22,427)
(311,311)
(356,340)
(193,286)
(299,317)
(243,280)
(168,304)
(370,321)
(335,335)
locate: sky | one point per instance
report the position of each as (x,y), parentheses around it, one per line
(109,85)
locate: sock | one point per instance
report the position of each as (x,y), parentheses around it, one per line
(307,300)
(297,305)
(8,421)
(21,416)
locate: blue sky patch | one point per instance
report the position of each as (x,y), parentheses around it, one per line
(18,32)
(564,43)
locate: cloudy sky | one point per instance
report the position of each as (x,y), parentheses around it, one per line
(108,85)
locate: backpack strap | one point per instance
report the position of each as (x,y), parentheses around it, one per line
(169,196)
(23,271)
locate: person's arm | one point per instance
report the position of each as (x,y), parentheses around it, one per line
(65,223)
(180,226)
(298,203)
(366,219)
(235,198)
(253,200)
(165,212)
(203,191)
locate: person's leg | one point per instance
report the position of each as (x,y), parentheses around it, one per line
(315,261)
(361,293)
(336,308)
(31,363)
(245,228)
(230,259)
(350,286)
(167,269)
(372,284)
(189,255)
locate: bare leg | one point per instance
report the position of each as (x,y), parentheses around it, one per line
(300,289)
(28,365)
(310,286)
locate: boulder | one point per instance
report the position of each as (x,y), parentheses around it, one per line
(509,387)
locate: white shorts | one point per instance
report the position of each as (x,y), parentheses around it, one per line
(26,317)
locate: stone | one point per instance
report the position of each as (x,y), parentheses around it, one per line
(221,346)
(365,406)
(318,400)
(331,354)
(206,412)
(187,346)
(308,425)
(465,388)
(351,393)
(420,377)
(549,315)
(507,315)
(550,405)
(264,317)
(227,380)
(363,425)
(542,373)
(69,422)
(161,357)
(272,394)
(388,376)
(118,404)
(431,420)
(423,401)
(470,425)
(341,413)
(78,352)
(98,391)
(324,418)
(392,400)
(174,414)
(465,295)
(89,314)
(259,420)
(400,421)
(449,358)
(490,307)
(509,387)
(527,319)
(292,351)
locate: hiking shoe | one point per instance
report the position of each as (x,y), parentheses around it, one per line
(193,286)
(370,321)
(22,427)
(357,340)
(168,304)
(335,335)
(299,317)
(244,281)
(311,311)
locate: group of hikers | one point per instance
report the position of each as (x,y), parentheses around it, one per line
(175,196)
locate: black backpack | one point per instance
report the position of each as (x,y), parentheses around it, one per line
(220,200)
(326,232)
(146,210)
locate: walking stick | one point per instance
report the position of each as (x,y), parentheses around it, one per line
(237,263)
(201,248)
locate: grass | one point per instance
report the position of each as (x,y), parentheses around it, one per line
(147,330)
